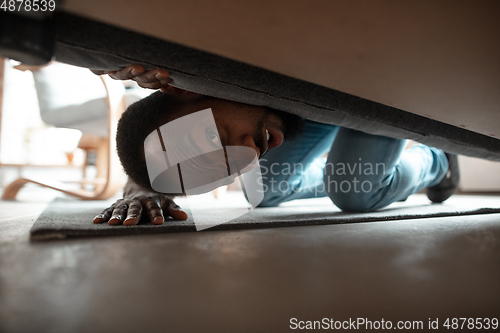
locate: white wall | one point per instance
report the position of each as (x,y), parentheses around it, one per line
(479,175)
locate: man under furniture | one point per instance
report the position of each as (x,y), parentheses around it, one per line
(362,172)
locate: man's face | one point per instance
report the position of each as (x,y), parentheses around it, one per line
(181,133)
(239,124)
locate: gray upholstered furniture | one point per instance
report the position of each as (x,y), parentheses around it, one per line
(95,45)
(426,71)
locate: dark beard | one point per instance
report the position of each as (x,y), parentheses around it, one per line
(293,125)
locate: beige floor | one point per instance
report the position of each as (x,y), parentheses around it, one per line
(247,280)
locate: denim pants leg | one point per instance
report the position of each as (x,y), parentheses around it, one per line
(294,170)
(366,172)
(363,172)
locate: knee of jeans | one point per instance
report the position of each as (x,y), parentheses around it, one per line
(356,202)
(351,194)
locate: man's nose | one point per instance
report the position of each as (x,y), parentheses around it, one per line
(249,142)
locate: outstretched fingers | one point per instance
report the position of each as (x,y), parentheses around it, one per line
(104,215)
(129,211)
(153,209)
(134,213)
(175,211)
(152,79)
(127,73)
(120,210)
(119,214)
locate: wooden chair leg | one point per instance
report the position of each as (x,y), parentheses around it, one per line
(102,163)
(11,190)
(88,143)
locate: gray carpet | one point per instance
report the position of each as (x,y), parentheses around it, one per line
(66,217)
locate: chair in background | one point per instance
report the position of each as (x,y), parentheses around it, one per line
(73,97)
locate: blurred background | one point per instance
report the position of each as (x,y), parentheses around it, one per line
(30,147)
(54,130)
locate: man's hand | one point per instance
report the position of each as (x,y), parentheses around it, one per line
(137,202)
(153,79)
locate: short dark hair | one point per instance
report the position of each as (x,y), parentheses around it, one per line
(136,123)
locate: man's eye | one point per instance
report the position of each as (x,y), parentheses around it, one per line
(213,138)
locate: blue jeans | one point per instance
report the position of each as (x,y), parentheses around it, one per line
(362,172)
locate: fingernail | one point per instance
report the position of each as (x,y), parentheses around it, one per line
(134,72)
(158,220)
(164,82)
(115,219)
(128,219)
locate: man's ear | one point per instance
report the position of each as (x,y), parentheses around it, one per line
(179,93)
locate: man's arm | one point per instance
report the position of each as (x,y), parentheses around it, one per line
(138,201)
